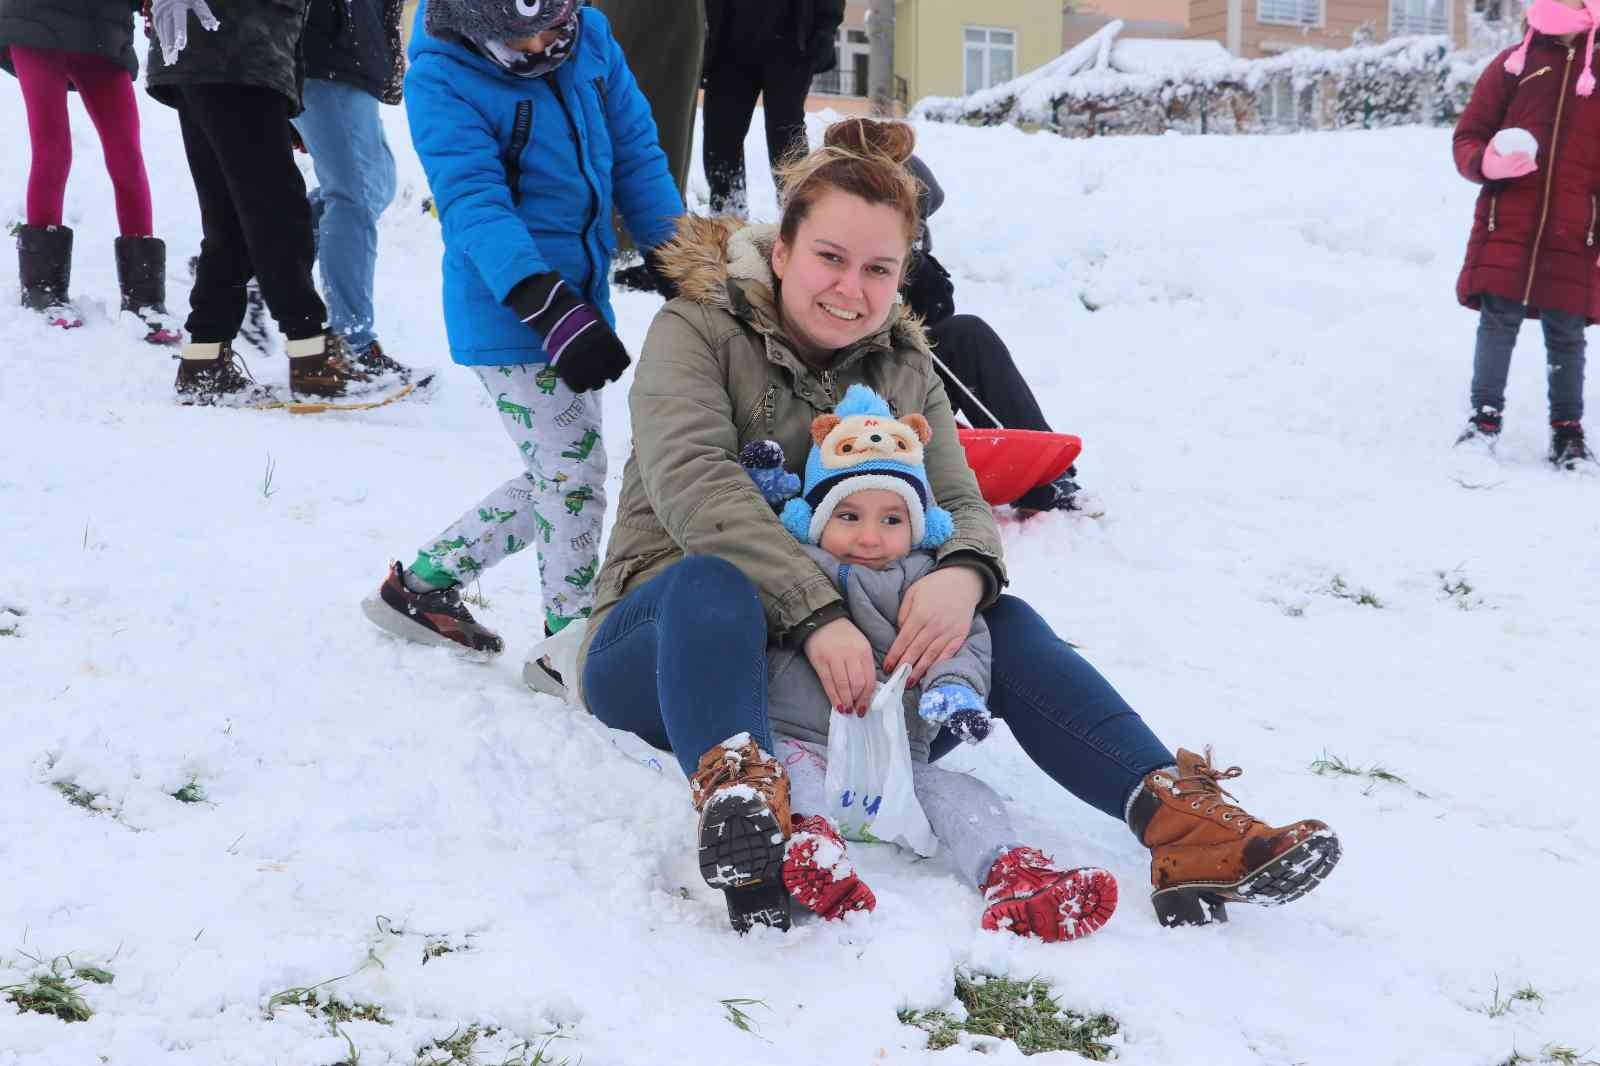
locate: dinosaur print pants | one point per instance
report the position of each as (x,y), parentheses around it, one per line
(556,505)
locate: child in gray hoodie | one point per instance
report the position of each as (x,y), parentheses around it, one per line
(865,514)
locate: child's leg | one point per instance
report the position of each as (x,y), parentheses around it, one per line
(1498,322)
(807,765)
(967,816)
(556,506)
(816,867)
(44,94)
(108,96)
(1564,348)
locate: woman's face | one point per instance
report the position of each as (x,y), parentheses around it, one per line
(842,272)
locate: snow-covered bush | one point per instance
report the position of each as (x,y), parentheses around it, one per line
(1105,85)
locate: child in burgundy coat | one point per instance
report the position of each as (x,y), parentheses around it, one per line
(1531,137)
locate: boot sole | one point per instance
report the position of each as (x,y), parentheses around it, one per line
(741,853)
(1282,880)
(396,624)
(1080,902)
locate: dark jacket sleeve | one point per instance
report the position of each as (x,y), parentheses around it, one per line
(1482,118)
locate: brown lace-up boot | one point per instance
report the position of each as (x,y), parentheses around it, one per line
(322,367)
(1205,851)
(742,794)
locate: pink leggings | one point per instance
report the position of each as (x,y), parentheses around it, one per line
(107,93)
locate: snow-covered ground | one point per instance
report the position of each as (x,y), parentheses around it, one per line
(1258,340)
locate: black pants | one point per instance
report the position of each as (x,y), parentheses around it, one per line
(782,81)
(977,356)
(254,218)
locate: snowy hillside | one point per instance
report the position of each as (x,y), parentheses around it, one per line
(1257,339)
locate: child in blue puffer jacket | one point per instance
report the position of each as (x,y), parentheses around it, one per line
(530,127)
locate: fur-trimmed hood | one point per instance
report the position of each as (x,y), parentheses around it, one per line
(727,263)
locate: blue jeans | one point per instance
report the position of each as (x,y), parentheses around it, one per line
(682,663)
(356,181)
(1499,319)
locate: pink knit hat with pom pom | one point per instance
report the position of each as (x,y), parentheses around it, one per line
(1555,18)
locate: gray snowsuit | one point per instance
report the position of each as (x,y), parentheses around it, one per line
(797,705)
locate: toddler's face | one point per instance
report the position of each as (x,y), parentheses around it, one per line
(870,528)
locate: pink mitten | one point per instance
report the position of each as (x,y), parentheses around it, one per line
(1497,167)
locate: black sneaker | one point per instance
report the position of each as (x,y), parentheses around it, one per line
(1483,424)
(1567,447)
(222,380)
(1059,495)
(380,367)
(434,617)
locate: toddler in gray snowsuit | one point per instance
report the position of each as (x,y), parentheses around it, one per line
(864,513)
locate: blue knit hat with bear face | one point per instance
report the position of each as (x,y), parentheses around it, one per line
(861,446)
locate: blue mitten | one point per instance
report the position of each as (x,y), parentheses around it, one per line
(958,709)
(763,460)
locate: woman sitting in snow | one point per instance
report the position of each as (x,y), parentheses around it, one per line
(773,324)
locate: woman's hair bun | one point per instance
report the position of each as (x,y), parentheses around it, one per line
(868,136)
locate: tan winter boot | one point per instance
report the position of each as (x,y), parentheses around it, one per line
(1205,851)
(322,367)
(742,794)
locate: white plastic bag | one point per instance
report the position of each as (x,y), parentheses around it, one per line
(869,773)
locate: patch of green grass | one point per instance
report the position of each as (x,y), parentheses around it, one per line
(1500,1005)
(1454,586)
(98,975)
(1565,1056)
(336,1011)
(1329,765)
(192,792)
(476,597)
(53,993)
(1025,1012)
(460,1049)
(76,794)
(737,1015)
(1362,596)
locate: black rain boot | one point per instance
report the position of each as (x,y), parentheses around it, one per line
(44,266)
(142,277)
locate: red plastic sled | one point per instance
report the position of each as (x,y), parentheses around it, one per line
(1009,462)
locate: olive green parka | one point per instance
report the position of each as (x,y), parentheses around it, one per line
(716,373)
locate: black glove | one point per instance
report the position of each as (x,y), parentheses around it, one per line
(646,277)
(582,348)
(930,292)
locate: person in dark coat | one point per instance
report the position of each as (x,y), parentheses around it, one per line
(1532,249)
(765,48)
(664,41)
(56,46)
(234,77)
(976,367)
(353,62)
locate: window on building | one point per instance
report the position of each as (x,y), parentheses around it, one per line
(849,78)
(990,57)
(1290,12)
(1418,16)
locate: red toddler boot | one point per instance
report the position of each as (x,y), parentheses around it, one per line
(818,874)
(1030,896)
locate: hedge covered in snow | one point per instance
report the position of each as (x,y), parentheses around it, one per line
(1106,85)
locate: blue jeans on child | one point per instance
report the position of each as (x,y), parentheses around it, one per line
(681,662)
(356,181)
(1499,319)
